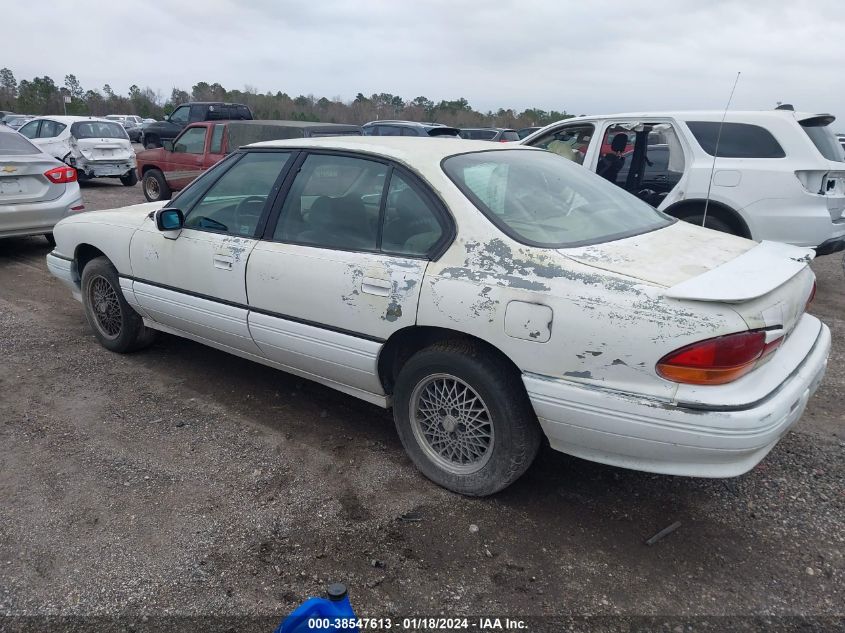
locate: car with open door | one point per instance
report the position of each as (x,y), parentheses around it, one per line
(765,175)
(490,294)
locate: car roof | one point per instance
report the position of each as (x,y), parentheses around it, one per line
(488,129)
(72,119)
(401,122)
(283,123)
(406,149)
(700,115)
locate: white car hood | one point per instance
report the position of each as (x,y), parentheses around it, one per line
(132,217)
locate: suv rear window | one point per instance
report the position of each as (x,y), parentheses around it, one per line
(13,144)
(736,140)
(818,130)
(542,199)
(98,129)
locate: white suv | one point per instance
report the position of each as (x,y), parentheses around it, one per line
(779,175)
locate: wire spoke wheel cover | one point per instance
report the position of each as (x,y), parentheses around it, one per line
(451,423)
(105,306)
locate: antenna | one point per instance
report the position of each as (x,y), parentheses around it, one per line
(716,150)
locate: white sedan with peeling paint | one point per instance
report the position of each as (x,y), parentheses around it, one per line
(490,295)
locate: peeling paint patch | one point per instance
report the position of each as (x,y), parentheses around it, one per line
(619,361)
(578,374)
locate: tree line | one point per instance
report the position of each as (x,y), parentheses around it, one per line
(42,95)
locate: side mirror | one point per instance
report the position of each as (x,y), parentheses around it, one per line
(168,145)
(168,220)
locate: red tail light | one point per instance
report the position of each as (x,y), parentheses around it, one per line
(61,175)
(719,360)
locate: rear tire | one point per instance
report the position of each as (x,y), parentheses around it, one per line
(155,186)
(711,222)
(129,179)
(464,418)
(116,325)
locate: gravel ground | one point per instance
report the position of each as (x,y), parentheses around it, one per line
(181,481)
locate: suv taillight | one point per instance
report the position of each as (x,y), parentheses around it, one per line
(719,360)
(61,175)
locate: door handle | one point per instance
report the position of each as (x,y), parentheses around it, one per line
(378,287)
(224,262)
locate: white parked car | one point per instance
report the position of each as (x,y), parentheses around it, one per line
(96,148)
(779,175)
(125,118)
(489,294)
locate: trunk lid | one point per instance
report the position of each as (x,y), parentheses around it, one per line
(767,284)
(22,179)
(104,149)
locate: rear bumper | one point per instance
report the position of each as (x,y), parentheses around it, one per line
(642,434)
(35,218)
(833,245)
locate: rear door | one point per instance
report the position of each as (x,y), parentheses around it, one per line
(196,283)
(341,269)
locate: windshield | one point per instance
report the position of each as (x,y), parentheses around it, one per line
(824,140)
(542,199)
(97,129)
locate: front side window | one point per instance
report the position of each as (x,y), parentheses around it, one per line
(180,115)
(735,140)
(541,200)
(191,142)
(334,202)
(30,130)
(571,141)
(235,202)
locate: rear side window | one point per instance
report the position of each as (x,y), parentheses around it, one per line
(49,129)
(217,139)
(388,130)
(16,145)
(736,140)
(510,135)
(410,224)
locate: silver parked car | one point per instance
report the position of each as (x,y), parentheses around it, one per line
(36,190)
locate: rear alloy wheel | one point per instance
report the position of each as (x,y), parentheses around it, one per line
(116,325)
(464,418)
(129,179)
(155,186)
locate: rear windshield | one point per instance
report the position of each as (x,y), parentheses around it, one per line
(542,199)
(824,140)
(443,131)
(97,129)
(13,144)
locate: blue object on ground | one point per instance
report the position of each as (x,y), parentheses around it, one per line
(329,610)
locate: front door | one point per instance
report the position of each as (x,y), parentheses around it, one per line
(185,162)
(196,283)
(342,268)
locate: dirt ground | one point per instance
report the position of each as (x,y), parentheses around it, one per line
(181,481)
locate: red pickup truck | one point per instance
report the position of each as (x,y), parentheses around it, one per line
(201,145)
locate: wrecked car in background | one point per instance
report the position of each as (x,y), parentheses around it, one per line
(96,148)
(488,294)
(779,174)
(202,145)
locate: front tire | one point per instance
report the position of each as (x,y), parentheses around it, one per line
(116,325)
(464,418)
(155,186)
(129,179)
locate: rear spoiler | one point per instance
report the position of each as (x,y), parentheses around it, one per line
(748,276)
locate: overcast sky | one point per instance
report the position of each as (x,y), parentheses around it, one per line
(583,57)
